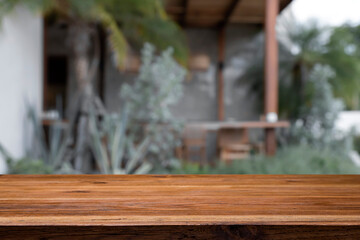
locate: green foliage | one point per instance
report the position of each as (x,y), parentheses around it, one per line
(343,55)
(24,165)
(116,38)
(128,23)
(162,34)
(356,143)
(301,159)
(301,48)
(316,124)
(42,6)
(158,85)
(119,147)
(149,97)
(114,151)
(310,75)
(29,166)
(136,21)
(43,157)
(53,152)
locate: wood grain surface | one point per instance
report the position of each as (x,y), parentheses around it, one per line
(155,200)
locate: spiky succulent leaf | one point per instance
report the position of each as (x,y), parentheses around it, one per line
(119,141)
(98,147)
(144,168)
(136,154)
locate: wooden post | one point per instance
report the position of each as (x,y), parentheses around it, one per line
(102,63)
(271,72)
(221,57)
(45,71)
(220,83)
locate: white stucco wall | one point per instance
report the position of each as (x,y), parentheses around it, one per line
(349,121)
(20,77)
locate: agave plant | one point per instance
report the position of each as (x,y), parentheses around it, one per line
(115,151)
(44,156)
(52,153)
(127,22)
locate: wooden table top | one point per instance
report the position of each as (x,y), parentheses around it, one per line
(139,200)
(214,126)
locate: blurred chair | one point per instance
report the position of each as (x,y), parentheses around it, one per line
(233,144)
(194,144)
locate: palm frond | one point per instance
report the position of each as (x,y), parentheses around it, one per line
(134,21)
(161,33)
(116,37)
(140,8)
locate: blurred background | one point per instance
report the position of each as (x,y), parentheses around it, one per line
(179,86)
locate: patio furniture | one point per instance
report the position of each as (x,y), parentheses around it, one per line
(237,146)
(179,207)
(194,144)
(233,144)
(216,125)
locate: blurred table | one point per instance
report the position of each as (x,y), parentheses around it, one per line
(215,126)
(269,127)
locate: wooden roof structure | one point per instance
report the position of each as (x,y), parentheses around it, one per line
(214,13)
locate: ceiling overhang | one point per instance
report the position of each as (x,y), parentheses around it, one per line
(215,13)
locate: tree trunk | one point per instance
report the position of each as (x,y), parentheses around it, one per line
(86,102)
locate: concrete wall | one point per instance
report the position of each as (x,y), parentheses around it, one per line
(20,78)
(199,100)
(200,96)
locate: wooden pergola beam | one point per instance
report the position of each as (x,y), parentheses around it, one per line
(220,73)
(229,12)
(216,13)
(271,73)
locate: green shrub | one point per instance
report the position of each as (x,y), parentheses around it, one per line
(149,98)
(29,166)
(316,125)
(300,159)
(356,143)
(114,151)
